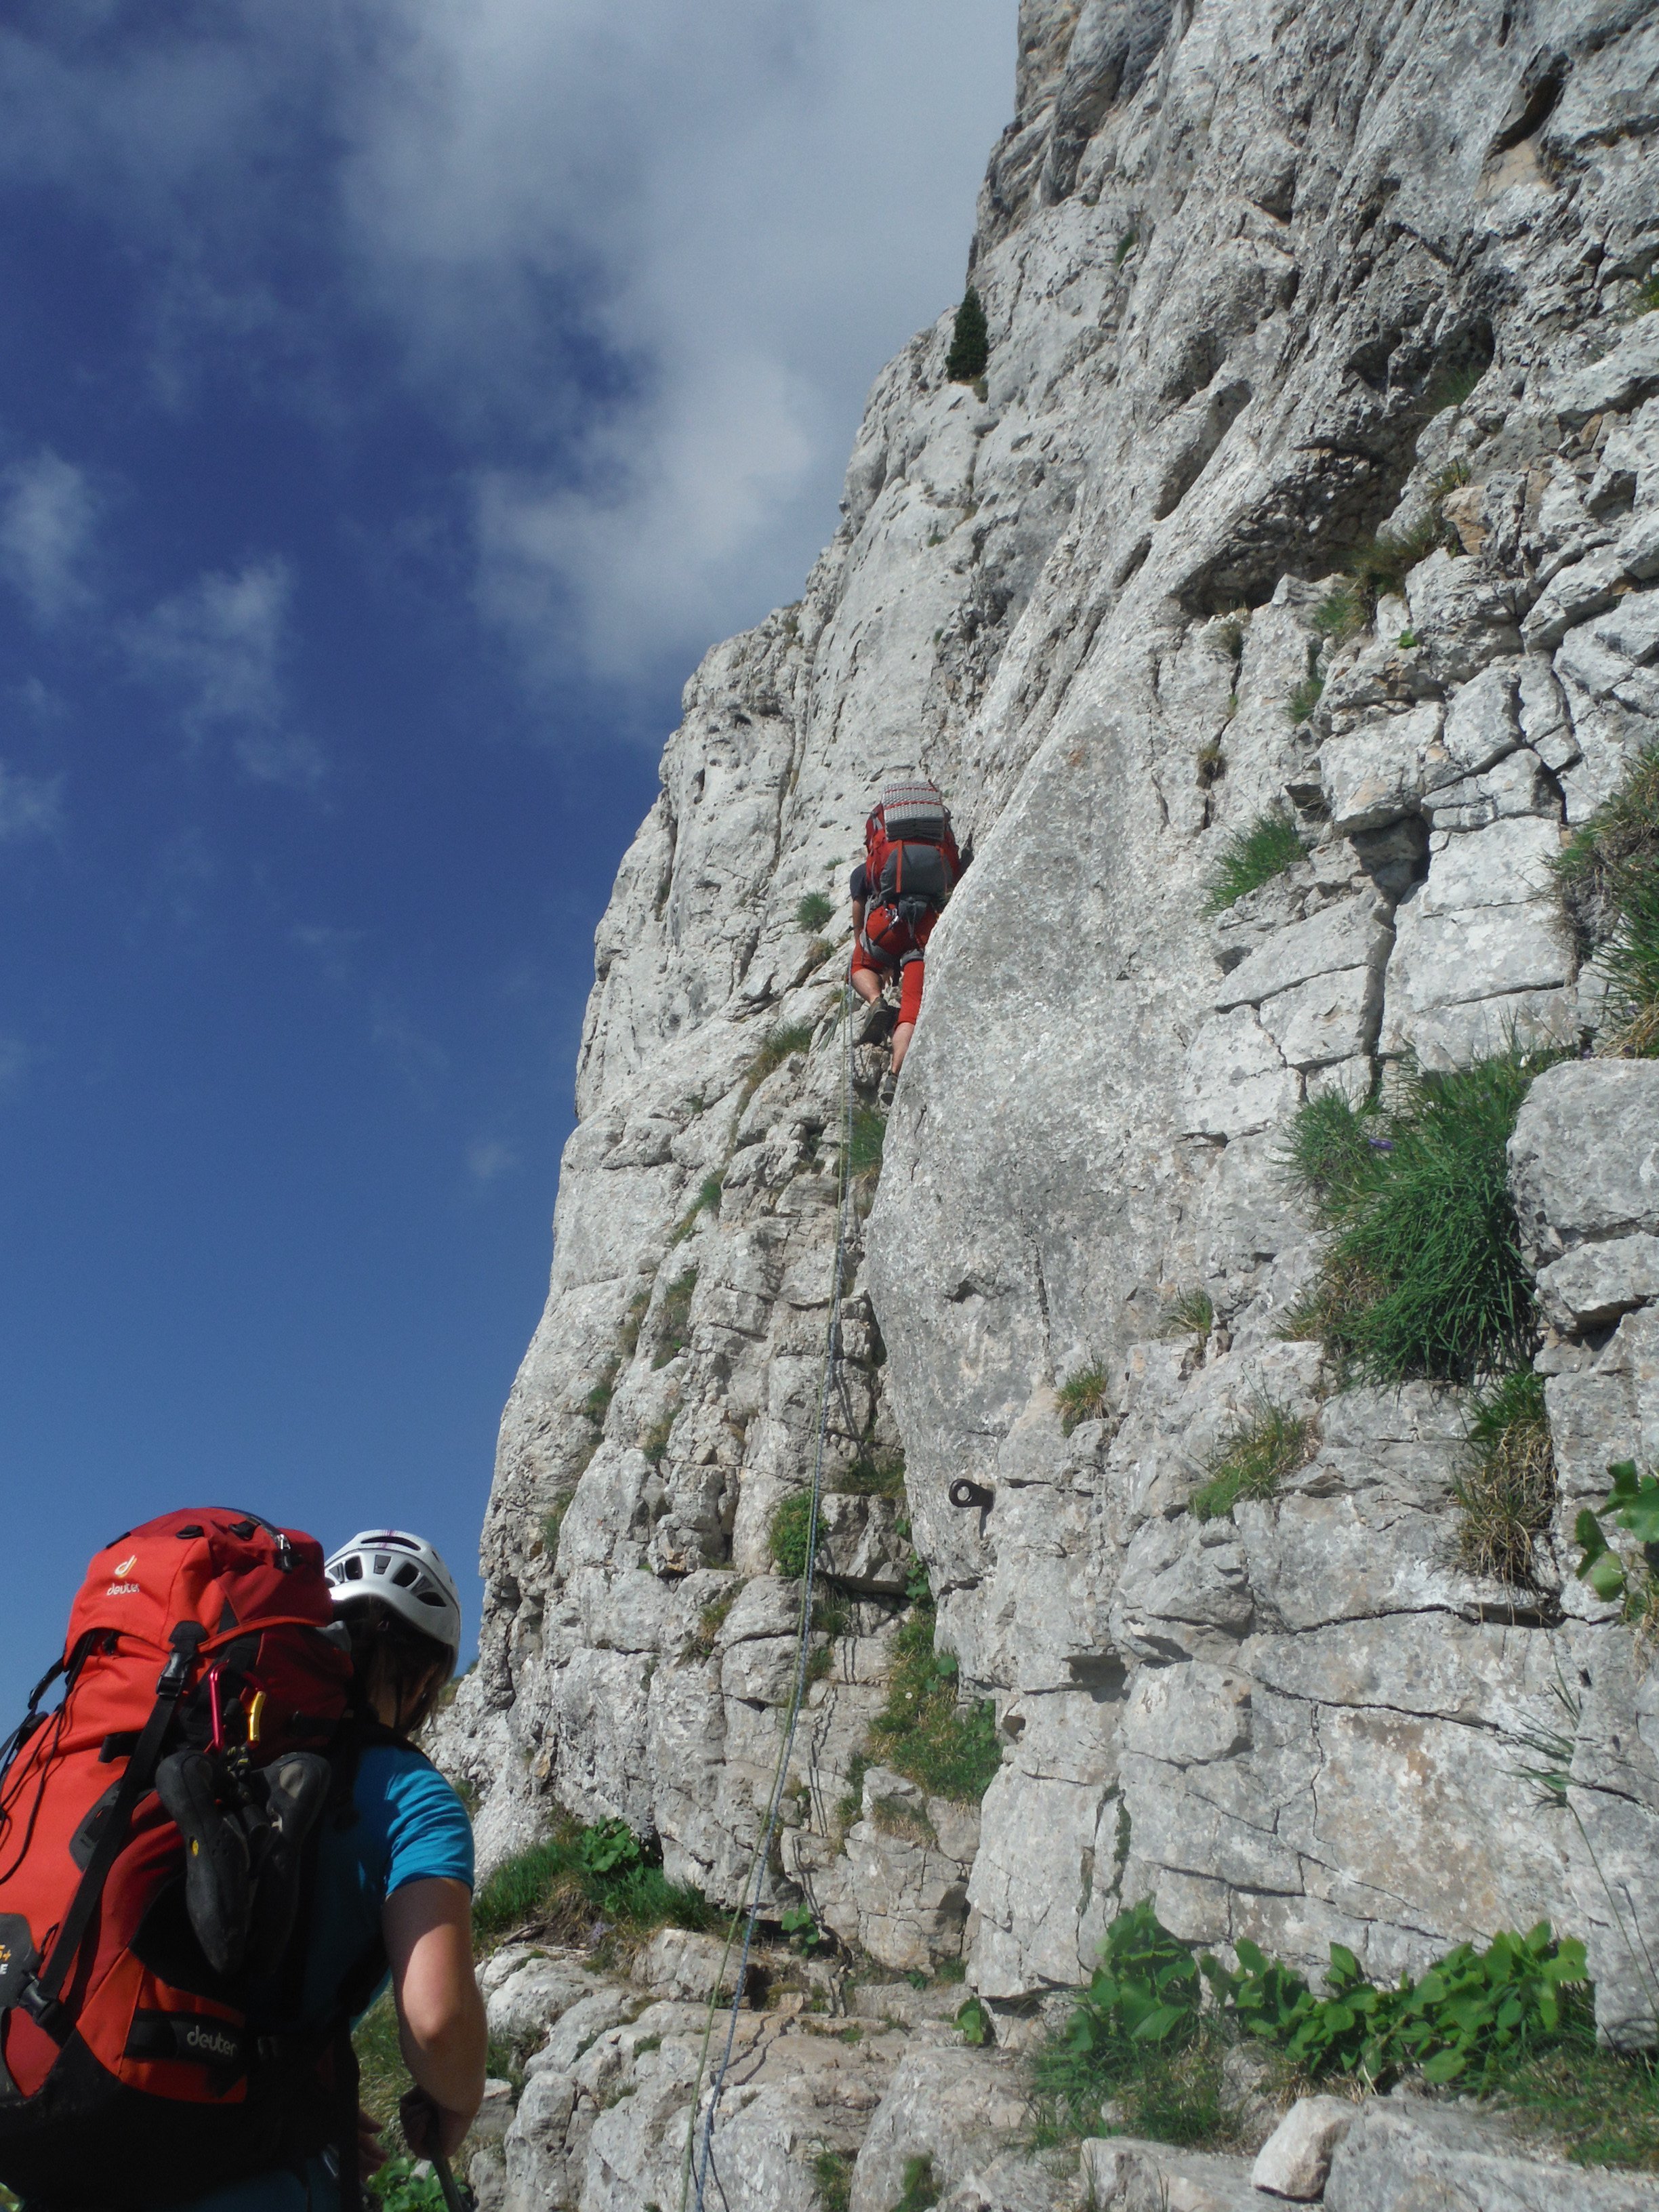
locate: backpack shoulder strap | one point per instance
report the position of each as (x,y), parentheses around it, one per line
(41,1993)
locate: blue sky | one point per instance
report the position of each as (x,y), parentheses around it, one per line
(396,397)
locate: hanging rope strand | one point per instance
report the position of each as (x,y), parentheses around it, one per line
(697,2164)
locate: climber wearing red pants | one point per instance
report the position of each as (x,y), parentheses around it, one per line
(910,867)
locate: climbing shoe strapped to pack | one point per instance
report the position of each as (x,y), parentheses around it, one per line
(152,1827)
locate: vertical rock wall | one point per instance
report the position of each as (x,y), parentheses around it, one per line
(1260,282)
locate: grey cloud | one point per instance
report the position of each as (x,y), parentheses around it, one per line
(47,521)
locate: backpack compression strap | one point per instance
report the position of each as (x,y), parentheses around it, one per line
(41,1992)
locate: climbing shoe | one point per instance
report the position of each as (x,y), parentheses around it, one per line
(216,1888)
(877,1024)
(293,1788)
(889,1085)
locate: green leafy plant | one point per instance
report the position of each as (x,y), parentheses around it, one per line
(1406,641)
(973,2023)
(778,1046)
(801,1930)
(1607,876)
(1253,856)
(400,2187)
(1251,1459)
(1507,1495)
(1141,2034)
(1085,1396)
(1422,1274)
(813,911)
(970,342)
(561,1884)
(788,1532)
(1633,1502)
(674,1318)
(924,1731)
(1190,1313)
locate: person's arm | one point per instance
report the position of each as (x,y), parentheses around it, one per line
(427,1927)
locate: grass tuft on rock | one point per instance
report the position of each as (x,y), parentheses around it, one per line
(582,1874)
(700,1644)
(1190,1313)
(788,1532)
(1607,878)
(924,1731)
(1303,698)
(707,1200)
(872,1475)
(920,2189)
(775,1047)
(814,910)
(674,1318)
(1085,1396)
(869,1137)
(832,2170)
(1252,857)
(1251,1459)
(1507,1497)
(1423,1275)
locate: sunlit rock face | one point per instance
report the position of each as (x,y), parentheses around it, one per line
(1260,285)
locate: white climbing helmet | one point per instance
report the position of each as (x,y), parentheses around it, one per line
(406,1574)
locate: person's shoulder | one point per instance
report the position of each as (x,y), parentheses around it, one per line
(399,1771)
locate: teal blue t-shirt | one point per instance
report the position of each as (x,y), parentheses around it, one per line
(410,1825)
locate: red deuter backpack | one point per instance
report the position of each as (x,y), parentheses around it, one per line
(911,866)
(200,1666)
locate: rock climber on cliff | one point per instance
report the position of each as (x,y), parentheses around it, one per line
(910,866)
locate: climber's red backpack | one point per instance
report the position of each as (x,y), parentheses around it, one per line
(131,2076)
(911,866)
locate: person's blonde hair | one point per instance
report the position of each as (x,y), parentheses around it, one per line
(396,1664)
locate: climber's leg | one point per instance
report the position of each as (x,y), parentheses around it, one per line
(911,978)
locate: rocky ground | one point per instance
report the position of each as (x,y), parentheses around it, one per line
(1272,295)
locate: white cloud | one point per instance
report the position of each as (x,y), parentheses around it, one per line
(641,262)
(216,649)
(14,1058)
(759,201)
(46,517)
(488,1161)
(30,805)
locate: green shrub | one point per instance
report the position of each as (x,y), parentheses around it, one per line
(1383,563)
(789,1533)
(1608,880)
(1423,1273)
(970,342)
(674,1320)
(778,1045)
(1507,1497)
(813,911)
(1191,1313)
(400,2187)
(1253,857)
(972,2022)
(1251,1459)
(578,1871)
(924,1731)
(1085,1396)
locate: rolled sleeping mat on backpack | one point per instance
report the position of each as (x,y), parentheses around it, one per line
(913,807)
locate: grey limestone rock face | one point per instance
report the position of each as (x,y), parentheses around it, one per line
(1409,2154)
(1259,288)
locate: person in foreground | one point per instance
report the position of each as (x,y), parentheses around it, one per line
(398,1874)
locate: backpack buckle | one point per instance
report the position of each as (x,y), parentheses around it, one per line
(47,2014)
